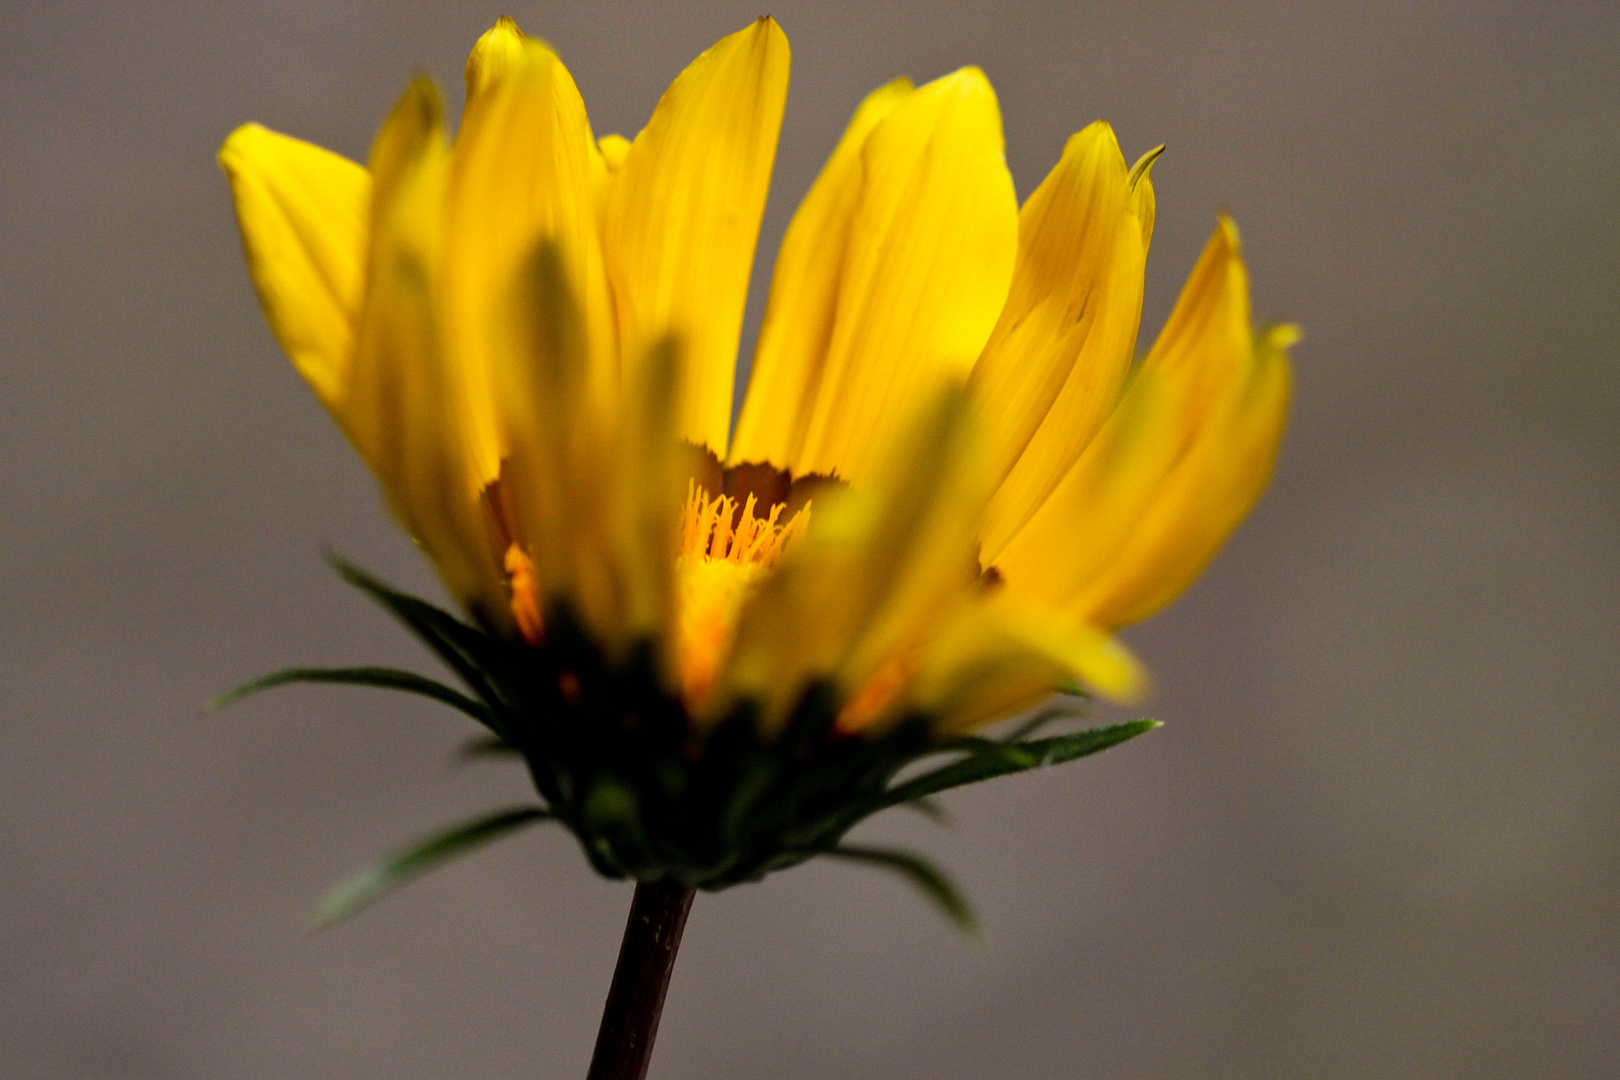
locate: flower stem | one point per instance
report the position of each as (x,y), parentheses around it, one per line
(636,999)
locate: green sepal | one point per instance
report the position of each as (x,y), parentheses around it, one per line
(371,883)
(930,809)
(1073,688)
(386,678)
(611,815)
(465,649)
(480,747)
(1041,717)
(921,873)
(1005,758)
(615,760)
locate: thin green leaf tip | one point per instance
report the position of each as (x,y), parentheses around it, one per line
(376,677)
(921,873)
(371,883)
(1000,759)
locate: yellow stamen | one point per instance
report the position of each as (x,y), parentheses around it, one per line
(723,551)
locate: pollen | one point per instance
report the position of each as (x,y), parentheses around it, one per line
(724,549)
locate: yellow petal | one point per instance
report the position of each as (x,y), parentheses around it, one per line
(1096,658)
(799,316)
(1053,366)
(605,163)
(386,400)
(925,274)
(977,669)
(591,491)
(928,491)
(557,478)
(1066,233)
(1127,529)
(1210,491)
(857,599)
(551,454)
(1207,337)
(1077,533)
(495,52)
(1088,395)
(403,399)
(997,658)
(521,175)
(683,217)
(303,213)
(882,600)
(775,655)
(407,164)
(650,471)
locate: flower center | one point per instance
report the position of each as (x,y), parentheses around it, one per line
(724,549)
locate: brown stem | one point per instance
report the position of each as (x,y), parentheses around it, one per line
(636,999)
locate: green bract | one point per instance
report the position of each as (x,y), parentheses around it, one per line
(615,760)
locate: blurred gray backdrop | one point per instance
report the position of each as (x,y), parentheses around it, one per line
(1376,837)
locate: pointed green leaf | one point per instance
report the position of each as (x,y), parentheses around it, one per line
(921,873)
(371,883)
(1017,757)
(486,746)
(1074,688)
(385,678)
(1078,708)
(930,809)
(460,646)
(971,744)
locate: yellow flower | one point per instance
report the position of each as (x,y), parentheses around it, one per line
(948,484)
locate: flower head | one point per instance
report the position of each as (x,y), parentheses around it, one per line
(947,486)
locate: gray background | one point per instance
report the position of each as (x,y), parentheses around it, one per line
(1377,837)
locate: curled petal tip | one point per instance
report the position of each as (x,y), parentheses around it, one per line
(1144,165)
